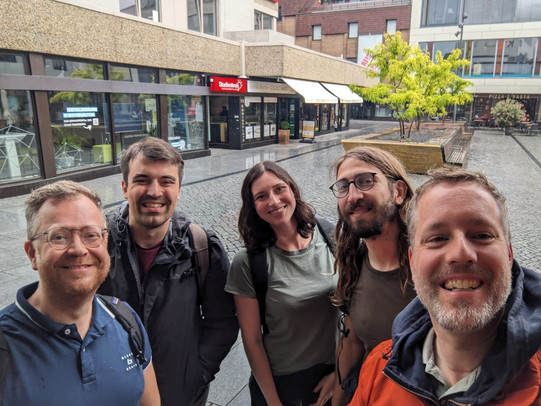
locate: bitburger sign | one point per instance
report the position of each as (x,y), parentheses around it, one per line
(223,84)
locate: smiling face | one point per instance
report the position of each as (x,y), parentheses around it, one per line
(274,200)
(77,270)
(367,212)
(152,191)
(460,260)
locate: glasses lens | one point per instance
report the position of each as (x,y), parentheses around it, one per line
(364,181)
(92,236)
(340,188)
(59,238)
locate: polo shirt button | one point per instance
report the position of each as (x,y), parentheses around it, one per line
(67,331)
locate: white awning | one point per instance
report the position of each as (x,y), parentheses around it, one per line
(312,92)
(343,92)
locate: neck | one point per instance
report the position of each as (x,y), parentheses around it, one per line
(383,249)
(148,238)
(457,354)
(64,309)
(287,238)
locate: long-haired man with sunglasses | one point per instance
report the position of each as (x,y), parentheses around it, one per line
(374,282)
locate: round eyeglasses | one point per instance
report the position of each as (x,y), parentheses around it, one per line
(363,181)
(60,237)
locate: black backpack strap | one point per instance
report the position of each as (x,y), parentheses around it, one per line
(127,320)
(4,364)
(200,246)
(326,228)
(260,279)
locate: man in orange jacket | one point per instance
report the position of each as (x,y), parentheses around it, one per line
(473,335)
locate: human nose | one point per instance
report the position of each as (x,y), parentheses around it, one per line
(461,250)
(76,245)
(154,189)
(273,199)
(354,194)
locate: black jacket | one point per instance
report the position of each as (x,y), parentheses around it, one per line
(187,346)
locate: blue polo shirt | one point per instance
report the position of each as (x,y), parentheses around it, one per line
(52,365)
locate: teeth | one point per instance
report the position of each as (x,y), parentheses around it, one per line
(462,284)
(277,210)
(153,205)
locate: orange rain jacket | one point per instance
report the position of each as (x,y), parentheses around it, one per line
(394,374)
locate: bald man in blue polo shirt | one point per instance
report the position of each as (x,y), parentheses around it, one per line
(66,347)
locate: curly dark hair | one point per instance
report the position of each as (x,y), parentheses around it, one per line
(348,250)
(258,234)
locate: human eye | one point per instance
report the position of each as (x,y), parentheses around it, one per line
(91,233)
(364,179)
(483,236)
(59,236)
(341,185)
(434,241)
(259,197)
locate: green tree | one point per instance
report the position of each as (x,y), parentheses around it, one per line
(410,83)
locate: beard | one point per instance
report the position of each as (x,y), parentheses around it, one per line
(463,316)
(366,228)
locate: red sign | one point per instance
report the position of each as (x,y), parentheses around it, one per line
(222,84)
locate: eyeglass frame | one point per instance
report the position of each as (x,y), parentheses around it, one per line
(353,181)
(103,233)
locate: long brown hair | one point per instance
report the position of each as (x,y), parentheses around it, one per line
(258,234)
(348,248)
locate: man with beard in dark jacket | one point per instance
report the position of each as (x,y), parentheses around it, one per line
(190,319)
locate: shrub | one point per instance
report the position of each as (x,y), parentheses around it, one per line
(508,113)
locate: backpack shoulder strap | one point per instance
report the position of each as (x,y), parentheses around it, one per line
(127,320)
(258,268)
(326,228)
(4,364)
(200,244)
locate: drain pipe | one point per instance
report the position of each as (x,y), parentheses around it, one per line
(242,59)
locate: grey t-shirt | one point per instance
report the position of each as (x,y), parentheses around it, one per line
(376,301)
(299,313)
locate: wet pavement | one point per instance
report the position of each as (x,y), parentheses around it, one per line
(211,197)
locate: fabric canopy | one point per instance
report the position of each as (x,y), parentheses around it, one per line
(312,92)
(343,92)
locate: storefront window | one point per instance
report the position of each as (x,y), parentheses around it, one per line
(325,112)
(133,74)
(18,145)
(270,107)
(252,118)
(518,56)
(175,77)
(13,64)
(185,122)
(483,57)
(65,68)
(135,117)
(79,130)
(149,9)
(219,115)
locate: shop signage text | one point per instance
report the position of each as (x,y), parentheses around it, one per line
(223,84)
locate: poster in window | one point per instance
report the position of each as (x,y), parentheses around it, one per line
(257,131)
(249,132)
(266,130)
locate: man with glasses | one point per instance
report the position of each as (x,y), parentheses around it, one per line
(191,320)
(374,280)
(473,335)
(65,346)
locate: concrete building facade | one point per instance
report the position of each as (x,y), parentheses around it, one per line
(81,80)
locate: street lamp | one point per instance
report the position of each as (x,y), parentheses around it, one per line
(463,16)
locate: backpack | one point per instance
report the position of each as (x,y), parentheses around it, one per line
(259,271)
(122,314)
(199,243)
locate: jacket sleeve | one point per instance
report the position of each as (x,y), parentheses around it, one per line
(219,325)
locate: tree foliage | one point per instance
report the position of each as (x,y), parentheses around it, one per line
(411,84)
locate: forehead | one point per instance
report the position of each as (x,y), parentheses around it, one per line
(461,204)
(142,166)
(266,180)
(76,212)
(352,166)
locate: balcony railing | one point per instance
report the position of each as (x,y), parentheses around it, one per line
(362,5)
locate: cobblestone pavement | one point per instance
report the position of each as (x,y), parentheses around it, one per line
(211,197)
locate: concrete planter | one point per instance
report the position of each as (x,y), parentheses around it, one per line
(416,157)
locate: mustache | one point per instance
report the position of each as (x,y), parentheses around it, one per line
(471,269)
(154,200)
